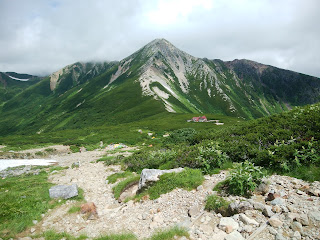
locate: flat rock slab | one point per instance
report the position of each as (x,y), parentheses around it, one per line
(63,191)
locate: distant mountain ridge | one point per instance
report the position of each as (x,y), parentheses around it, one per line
(156,79)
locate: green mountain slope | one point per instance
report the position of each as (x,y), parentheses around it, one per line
(156,79)
(12,83)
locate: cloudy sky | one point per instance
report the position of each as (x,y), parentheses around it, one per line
(42,36)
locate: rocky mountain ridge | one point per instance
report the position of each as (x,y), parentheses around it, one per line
(158,78)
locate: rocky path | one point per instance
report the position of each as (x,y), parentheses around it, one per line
(294,213)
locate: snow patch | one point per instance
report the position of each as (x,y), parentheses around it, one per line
(19,79)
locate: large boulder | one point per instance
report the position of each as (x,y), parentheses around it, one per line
(152,175)
(63,191)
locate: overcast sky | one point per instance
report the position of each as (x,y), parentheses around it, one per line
(42,36)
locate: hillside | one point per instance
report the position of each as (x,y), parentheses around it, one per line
(12,83)
(156,79)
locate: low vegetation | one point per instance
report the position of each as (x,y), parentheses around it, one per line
(114,177)
(23,199)
(170,234)
(121,186)
(166,234)
(188,179)
(217,204)
(244,179)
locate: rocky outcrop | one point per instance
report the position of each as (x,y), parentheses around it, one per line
(63,191)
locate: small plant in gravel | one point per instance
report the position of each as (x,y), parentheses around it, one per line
(244,179)
(52,235)
(217,204)
(74,209)
(169,234)
(121,236)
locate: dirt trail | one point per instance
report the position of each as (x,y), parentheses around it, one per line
(141,218)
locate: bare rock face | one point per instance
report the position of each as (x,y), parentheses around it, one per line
(63,191)
(152,175)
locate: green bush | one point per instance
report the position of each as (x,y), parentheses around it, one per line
(244,179)
(150,159)
(211,156)
(217,204)
(181,135)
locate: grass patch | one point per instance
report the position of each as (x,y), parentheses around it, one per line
(170,234)
(122,236)
(74,209)
(308,173)
(114,177)
(57,168)
(23,199)
(217,204)
(108,160)
(121,186)
(188,179)
(52,235)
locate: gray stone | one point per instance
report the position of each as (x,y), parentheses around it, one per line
(244,206)
(258,206)
(220,235)
(296,226)
(273,231)
(32,230)
(279,237)
(296,235)
(152,175)
(248,220)
(235,235)
(200,188)
(194,211)
(314,215)
(185,223)
(235,208)
(158,218)
(278,201)
(248,228)
(275,222)
(303,219)
(206,229)
(314,192)
(267,211)
(63,191)
(228,221)
(263,188)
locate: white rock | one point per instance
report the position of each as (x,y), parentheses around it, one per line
(248,220)
(235,235)
(220,235)
(275,222)
(228,221)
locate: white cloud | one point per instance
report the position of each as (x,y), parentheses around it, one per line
(41,36)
